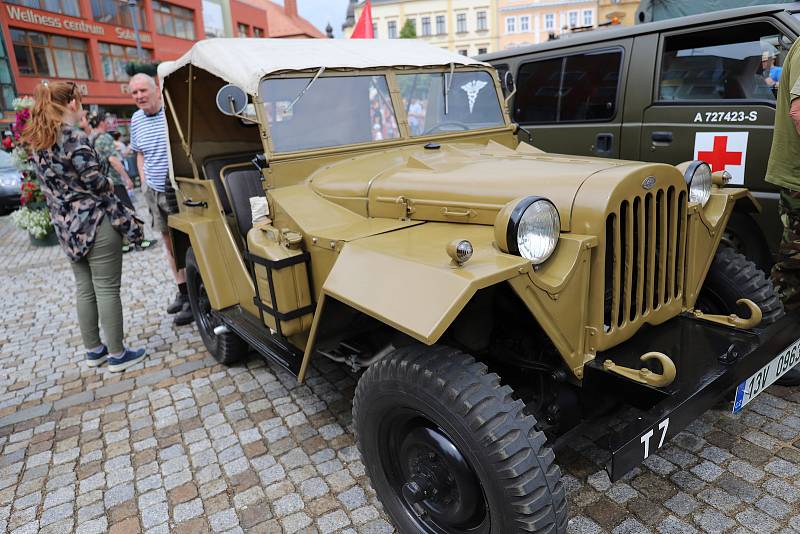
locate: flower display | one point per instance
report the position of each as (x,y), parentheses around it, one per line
(33,216)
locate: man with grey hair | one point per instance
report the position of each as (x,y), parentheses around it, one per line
(149,142)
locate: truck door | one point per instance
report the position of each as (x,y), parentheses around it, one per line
(571,103)
(714,100)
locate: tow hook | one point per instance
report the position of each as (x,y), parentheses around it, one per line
(733,319)
(644,375)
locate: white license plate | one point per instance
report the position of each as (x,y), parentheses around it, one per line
(763,378)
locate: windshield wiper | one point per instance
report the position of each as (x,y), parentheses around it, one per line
(305,89)
(447,89)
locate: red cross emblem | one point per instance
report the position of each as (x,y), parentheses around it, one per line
(719,157)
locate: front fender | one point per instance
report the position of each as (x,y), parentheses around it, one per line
(405,278)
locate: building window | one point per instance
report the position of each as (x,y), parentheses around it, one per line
(66,7)
(242,30)
(463,51)
(511,24)
(391,28)
(441,29)
(118,13)
(258,32)
(6,83)
(525,23)
(461,23)
(549,21)
(426,25)
(588,19)
(375,30)
(482,22)
(114,57)
(42,54)
(173,20)
(572,19)
(482,50)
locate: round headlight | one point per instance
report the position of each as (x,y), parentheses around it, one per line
(698,177)
(528,227)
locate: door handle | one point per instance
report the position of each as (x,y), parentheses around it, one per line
(603,144)
(661,137)
(195,203)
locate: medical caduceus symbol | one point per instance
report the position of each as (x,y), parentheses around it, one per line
(472,89)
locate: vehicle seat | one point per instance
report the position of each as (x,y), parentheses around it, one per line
(211,169)
(242,185)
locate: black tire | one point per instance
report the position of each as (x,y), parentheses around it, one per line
(432,418)
(744,235)
(227,348)
(732,277)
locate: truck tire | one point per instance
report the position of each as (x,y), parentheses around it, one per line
(744,235)
(227,348)
(448,449)
(732,277)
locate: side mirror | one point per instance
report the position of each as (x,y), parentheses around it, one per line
(231,100)
(508,82)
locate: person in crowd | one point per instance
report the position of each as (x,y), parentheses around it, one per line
(88,218)
(8,141)
(783,170)
(111,165)
(149,141)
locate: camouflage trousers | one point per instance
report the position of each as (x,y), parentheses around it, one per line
(786,272)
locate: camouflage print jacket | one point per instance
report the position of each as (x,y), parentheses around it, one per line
(79,195)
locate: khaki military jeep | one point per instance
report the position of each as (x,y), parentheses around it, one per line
(369,202)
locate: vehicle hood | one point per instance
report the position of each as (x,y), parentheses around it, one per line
(455,182)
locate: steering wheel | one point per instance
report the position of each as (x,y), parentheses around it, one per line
(461,125)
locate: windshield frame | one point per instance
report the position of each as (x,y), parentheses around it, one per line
(397,105)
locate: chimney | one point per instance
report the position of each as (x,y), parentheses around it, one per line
(290,7)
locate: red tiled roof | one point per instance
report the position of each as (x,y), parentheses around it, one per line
(281,24)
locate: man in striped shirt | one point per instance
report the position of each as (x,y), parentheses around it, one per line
(149,141)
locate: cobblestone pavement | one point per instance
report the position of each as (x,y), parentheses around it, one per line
(182,444)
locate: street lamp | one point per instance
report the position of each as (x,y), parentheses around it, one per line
(135,17)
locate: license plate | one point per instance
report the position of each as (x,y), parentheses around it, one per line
(753,386)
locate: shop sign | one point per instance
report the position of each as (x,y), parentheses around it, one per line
(32,17)
(127,33)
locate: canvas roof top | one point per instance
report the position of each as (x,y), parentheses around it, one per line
(244,62)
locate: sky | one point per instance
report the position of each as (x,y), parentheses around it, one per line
(321,12)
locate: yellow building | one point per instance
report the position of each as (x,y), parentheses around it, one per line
(527,22)
(622,10)
(468,27)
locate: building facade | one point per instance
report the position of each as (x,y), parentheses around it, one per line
(468,27)
(623,11)
(524,23)
(90,42)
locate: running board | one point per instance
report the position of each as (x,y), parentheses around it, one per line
(259,337)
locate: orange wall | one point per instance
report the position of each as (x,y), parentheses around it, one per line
(96,90)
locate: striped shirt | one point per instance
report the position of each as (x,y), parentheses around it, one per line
(149,136)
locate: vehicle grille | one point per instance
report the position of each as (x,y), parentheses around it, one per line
(644,256)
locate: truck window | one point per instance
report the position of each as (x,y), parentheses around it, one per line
(726,63)
(576,88)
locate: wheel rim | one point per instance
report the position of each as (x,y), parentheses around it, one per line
(205,318)
(431,478)
(709,301)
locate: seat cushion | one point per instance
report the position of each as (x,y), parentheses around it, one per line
(242,185)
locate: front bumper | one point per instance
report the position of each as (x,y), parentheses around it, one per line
(711,360)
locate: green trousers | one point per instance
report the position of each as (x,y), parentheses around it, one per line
(97,278)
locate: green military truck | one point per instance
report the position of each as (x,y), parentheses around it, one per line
(370,203)
(697,87)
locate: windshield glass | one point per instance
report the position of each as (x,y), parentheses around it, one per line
(335,110)
(472,102)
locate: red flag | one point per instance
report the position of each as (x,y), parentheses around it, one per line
(363,28)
